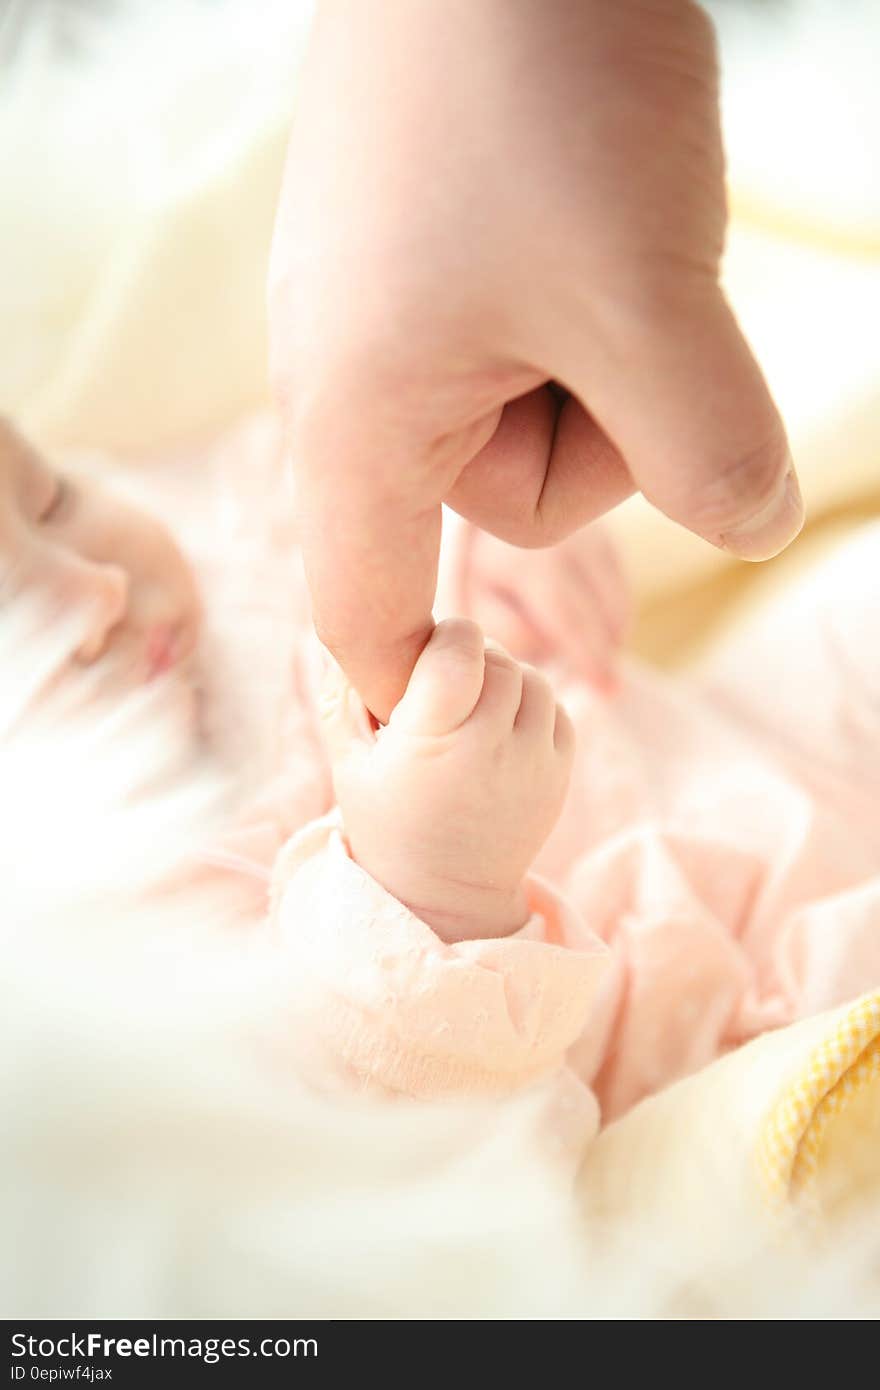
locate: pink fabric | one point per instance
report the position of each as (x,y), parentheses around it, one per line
(721,838)
(713,875)
(730,903)
(378,1000)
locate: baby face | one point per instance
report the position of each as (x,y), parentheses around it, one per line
(85,550)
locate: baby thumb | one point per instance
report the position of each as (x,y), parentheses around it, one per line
(446,681)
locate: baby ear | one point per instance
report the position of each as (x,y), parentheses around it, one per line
(344,718)
(446,681)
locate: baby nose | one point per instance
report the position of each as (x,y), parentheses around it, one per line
(105,593)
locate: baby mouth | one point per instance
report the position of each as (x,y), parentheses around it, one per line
(165,647)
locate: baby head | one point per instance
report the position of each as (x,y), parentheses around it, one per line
(86,550)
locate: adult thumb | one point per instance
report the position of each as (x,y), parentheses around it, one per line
(682,397)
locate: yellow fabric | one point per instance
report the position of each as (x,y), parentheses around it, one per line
(715,1166)
(808,299)
(821,231)
(842,1066)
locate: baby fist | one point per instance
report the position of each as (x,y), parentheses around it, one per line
(448,805)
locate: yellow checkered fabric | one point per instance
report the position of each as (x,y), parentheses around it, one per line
(843,1064)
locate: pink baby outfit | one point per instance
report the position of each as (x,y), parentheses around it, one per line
(721,836)
(730,895)
(379,1002)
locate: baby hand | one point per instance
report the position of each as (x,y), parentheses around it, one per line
(448,805)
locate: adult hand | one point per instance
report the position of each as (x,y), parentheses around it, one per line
(495,283)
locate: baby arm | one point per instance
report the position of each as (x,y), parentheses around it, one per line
(422,958)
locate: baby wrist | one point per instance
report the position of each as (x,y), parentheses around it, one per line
(475,915)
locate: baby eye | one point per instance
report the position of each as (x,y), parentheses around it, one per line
(58,502)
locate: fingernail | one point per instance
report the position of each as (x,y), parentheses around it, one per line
(772,528)
(491,645)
